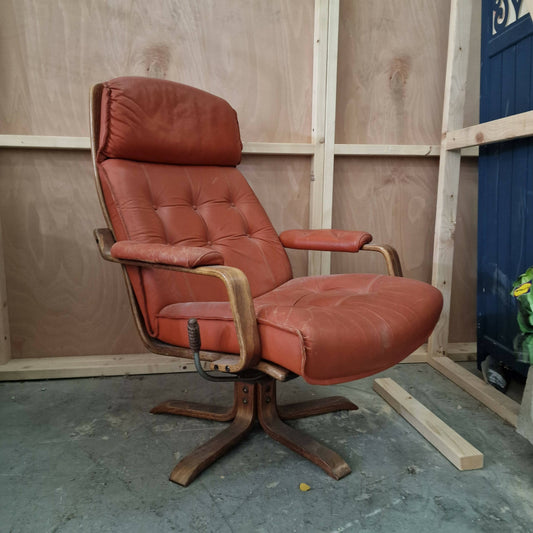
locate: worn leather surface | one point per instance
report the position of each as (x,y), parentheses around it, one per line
(206,207)
(328,240)
(328,329)
(160,121)
(166,254)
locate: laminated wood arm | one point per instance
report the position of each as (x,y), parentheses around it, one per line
(237,287)
(394,267)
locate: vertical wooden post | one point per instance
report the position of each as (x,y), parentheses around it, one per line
(323,123)
(5,345)
(449,167)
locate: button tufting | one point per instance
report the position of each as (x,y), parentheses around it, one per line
(195,207)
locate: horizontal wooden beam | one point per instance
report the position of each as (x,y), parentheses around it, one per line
(83,143)
(53,142)
(456,449)
(278,148)
(397,150)
(45,141)
(497,402)
(503,129)
(143,363)
(462,351)
(92,366)
(418,356)
(401,150)
(457,351)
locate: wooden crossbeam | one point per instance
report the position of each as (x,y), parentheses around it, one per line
(145,363)
(502,129)
(456,449)
(497,402)
(92,366)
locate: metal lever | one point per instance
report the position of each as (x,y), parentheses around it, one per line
(195,342)
(193,330)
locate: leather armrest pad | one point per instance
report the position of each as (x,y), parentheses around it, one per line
(326,240)
(166,254)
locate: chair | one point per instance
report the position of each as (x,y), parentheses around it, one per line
(195,243)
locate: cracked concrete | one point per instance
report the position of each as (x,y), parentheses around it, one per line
(86,455)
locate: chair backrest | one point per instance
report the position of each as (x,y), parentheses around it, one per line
(166,156)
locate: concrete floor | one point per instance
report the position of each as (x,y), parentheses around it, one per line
(86,455)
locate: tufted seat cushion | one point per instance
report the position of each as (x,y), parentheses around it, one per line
(329,329)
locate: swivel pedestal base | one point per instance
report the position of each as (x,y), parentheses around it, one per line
(256,402)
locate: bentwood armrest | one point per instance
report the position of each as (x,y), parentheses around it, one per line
(329,240)
(235,281)
(394,267)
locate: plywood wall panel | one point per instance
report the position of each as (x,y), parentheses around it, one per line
(394,199)
(464,288)
(256,54)
(62,298)
(282,184)
(391,71)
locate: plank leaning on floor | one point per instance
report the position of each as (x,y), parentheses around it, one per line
(456,449)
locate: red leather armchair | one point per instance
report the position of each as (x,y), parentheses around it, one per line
(194,242)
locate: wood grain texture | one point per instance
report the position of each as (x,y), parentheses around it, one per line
(471,112)
(464,279)
(449,167)
(502,129)
(62,298)
(456,449)
(394,199)
(282,185)
(257,55)
(496,401)
(329,132)
(320,64)
(84,143)
(92,366)
(391,71)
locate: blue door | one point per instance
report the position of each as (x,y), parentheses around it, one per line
(505,223)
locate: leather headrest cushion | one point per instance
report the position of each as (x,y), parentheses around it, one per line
(160,121)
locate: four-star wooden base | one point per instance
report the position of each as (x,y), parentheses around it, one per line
(257,402)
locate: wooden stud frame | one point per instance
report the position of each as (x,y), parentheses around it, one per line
(456,449)
(455,137)
(323,149)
